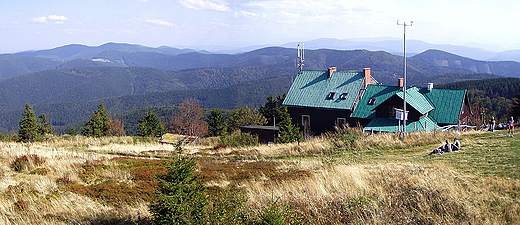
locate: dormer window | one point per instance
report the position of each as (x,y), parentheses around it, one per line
(372,101)
(343,96)
(331,95)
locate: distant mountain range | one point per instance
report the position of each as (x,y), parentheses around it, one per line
(68,82)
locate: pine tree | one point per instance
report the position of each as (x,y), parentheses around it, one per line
(216,123)
(150,125)
(29,128)
(244,116)
(515,110)
(97,126)
(288,131)
(181,195)
(45,126)
(271,108)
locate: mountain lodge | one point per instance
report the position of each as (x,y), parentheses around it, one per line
(321,101)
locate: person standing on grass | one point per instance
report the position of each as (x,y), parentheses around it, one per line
(511,126)
(493,124)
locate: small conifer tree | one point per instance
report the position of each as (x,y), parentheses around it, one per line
(181,197)
(288,131)
(45,126)
(29,128)
(216,123)
(150,125)
(97,126)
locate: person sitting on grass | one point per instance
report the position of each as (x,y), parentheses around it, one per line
(447,146)
(442,149)
(456,144)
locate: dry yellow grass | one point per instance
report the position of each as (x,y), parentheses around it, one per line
(312,178)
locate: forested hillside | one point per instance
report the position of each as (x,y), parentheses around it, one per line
(125,77)
(16,65)
(494,95)
(86,84)
(62,115)
(448,60)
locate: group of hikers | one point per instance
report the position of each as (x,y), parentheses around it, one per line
(510,126)
(448,147)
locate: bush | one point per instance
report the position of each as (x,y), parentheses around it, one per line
(239,139)
(346,139)
(227,207)
(24,162)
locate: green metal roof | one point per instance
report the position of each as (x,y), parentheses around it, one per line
(416,100)
(392,125)
(378,92)
(312,89)
(446,103)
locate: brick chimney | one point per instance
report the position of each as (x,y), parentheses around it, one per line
(400,82)
(366,72)
(332,69)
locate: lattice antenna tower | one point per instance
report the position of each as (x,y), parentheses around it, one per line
(301,57)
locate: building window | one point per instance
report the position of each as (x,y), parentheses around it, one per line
(341,122)
(306,121)
(392,112)
(343,96)
(331,95)
(372,101)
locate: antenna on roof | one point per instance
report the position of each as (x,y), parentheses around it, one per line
(301,58)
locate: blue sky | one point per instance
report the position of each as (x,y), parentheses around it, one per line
(40,24)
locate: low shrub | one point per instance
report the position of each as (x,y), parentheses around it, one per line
(239,139)
(25,162)
(346,138)
(40,171)
(227,206)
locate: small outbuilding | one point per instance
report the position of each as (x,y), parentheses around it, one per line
(265,134)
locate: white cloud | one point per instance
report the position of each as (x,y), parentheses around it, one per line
(159,22)
(145,1)
(55,19)
(216,5)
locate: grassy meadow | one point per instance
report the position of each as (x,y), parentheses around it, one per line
(342,178)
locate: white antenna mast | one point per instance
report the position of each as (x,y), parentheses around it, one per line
(301,58)
(404,83)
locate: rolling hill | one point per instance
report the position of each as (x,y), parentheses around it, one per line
(448,60)
(126,77)
(62,115)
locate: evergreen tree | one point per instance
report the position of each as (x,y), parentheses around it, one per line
(271,108)
(97,126)
(181,196)
(515,110)
(244,116)
(73,131)
(216,123)
(288,131)
(150,125)
(45,126)
(29,128)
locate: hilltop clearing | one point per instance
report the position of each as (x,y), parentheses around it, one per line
(348,177)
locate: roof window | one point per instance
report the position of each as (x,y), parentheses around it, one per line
(331,95)
(343,96)
(372,101)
